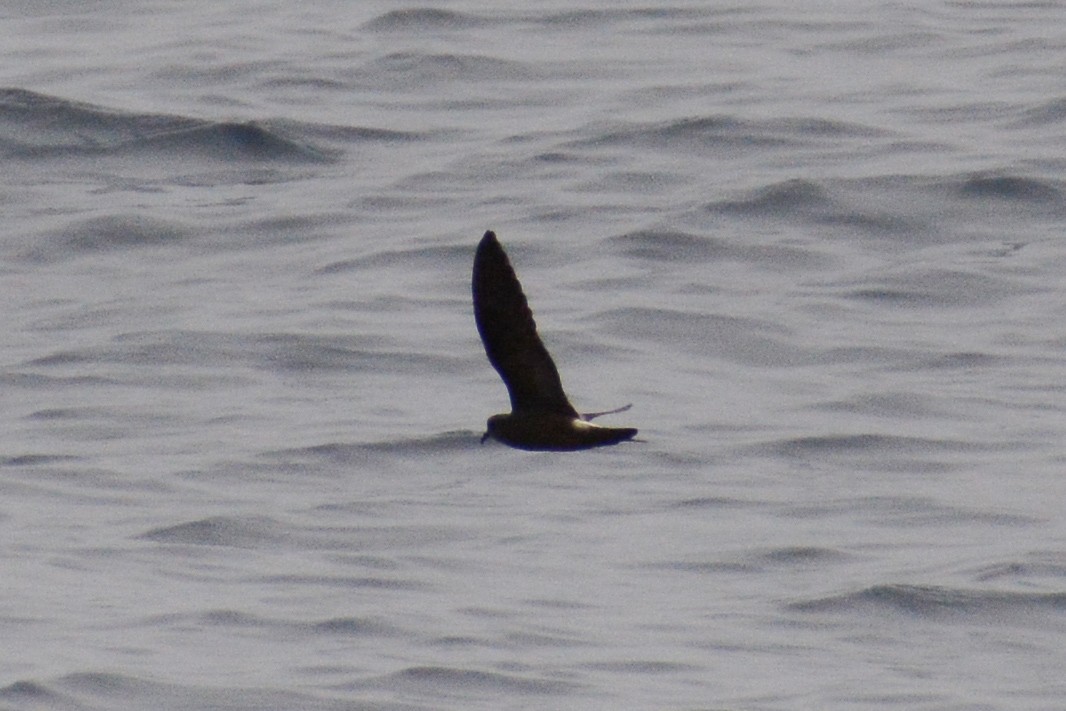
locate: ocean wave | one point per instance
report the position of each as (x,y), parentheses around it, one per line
(747,340)
(34,694)
(35,125)
(802,555)
(935,288)
(352,627)
(630,181)
(433,256)
(936,602)
(34,460)
(758,561)
(816,203)
(908,511)
(904,209)
(1010,187)
(870,443)
(890,405)
(582,18)
(710,502)
(685,247)
(345,582)
(960,360)
(228,531)
(1049,113)
(102,690)
(789,197)
(1049,566)
(468,682)
(419,69)
(642,667)
(345,453)
(684,134)
(106,234)
(728,132)
(228,141)
(293,352)
(422,19)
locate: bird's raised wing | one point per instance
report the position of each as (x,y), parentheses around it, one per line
(510,335)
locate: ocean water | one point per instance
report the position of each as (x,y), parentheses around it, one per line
(819,246)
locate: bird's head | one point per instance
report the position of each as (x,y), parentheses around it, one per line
(492,427)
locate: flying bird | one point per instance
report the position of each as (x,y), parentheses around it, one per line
(541,416)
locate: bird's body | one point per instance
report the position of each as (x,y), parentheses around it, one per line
(548,431)
(541,416)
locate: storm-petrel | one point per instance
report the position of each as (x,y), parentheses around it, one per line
(541,416)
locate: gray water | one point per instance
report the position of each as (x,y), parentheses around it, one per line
(818,246)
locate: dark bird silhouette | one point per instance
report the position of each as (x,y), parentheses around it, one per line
(541,416)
